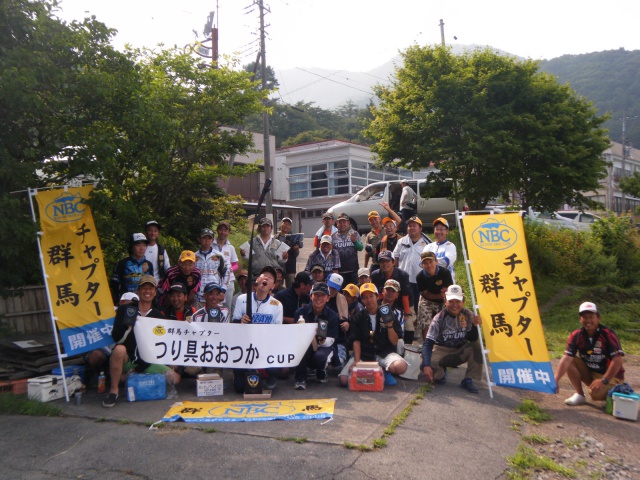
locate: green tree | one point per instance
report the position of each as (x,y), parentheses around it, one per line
(631,185)
(493,124)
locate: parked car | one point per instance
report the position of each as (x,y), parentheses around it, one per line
(558,220)
(580,217)
(433,201)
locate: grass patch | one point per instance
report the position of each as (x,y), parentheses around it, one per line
(209,430)
(293,439)
(535,439)
(124,421)
(525,462)
(531,412)
(20,405)
(358,446)
(100,420)
(572,442)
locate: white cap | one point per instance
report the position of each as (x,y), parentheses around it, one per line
(335,280)
(454,292)
(588,307)
(128,296)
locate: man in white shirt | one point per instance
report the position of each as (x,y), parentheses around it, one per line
(445,251)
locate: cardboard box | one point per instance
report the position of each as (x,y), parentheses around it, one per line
(209,385)
(626,406)
(50,387)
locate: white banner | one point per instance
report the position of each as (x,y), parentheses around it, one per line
(230,345)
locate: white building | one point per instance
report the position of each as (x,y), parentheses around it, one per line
(610,194)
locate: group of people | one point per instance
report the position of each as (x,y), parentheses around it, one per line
(363,313)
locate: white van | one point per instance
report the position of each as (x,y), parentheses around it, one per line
(369,198)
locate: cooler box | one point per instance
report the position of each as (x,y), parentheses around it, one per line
(49,387)
(69,371)
(146,386)
(366,377)
(626,406)
(209,385)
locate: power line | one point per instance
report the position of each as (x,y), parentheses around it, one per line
(331,80)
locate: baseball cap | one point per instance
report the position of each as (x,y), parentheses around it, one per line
(287,219)
(210,287)
(327,215)
(266,221)
(385,255)
(373,213)
(178,287)
(441,220)
(454,292)
(425,255)
(270,270)
(343,216)
(242,273)
(188,255)
(320,287)
(588,307)
(352,290)
(317,267)
(368,287)
(153,222)
(391,283)
(128,296)
(224,223)
(148,279)
(335,280)
(302,277)
(326,239)
(206,232)
(387,220)
(139,238)
(364,271)
(415,219)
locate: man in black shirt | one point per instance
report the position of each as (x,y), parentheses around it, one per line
(295,296)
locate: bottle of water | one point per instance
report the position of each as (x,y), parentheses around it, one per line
(102,383)
(301,319)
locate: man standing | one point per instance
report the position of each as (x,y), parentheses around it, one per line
(295,296)
(242,278)
(326,256)
(230,257)
(124,356)
(391,237)
(407,254)
(328,228)
(155,252)
(347,243)
(408,200)
(267,251)
(322,348)
(445,250)
(593,356)
(433,281)
(128,272)
(452,339)
(372,239)
(295,243)
(210,262)
(374,334)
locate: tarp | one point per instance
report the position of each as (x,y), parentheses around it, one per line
(506,301)
(251,411)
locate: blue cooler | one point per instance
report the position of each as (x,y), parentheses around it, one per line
(69,371)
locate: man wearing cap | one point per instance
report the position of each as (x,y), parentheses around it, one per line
(210,262)
(407,254)
(124,356)
(364,275)
(374,237)
(593,356)
(346,242)
(224,247)
(452,339)
(265,309)
(374,333)
(178,310)
(317,273)
(445,250)
(323,347)
(295,243)
(213,309)
(266,249)
(408,196)
(128,272)
(352,295)
(390,296)
(155,252)
(326,256)
(242,278)
(433,281)
(328,228)
(389,271)
(391,237)
(184,272)
(296,296)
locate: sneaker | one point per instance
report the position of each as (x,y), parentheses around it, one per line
(389,380)
(468,385)
(270,383)
(302,385)
(443,380)
(322,376)
(110,401)
(576,399)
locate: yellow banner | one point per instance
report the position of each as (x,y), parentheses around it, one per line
(74,266)
(251,411)
(506,300)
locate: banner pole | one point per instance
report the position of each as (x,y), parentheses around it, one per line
(459,217)
(32,193)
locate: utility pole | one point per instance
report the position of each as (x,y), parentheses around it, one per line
(442,32)
(265,115)
(624,157)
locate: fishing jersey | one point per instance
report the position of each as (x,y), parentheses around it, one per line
(218,314)
(348,250)
(212,270)
(453,332)
(445,253)
(408,254)
(329,263)
(127,274)
(268,310)
(159,258)
(595,352)
(230,256)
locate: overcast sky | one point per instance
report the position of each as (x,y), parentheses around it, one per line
(359,35)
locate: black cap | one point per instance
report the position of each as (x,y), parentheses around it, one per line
(270,270)
(320,287)
(178,287)
(303,277)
